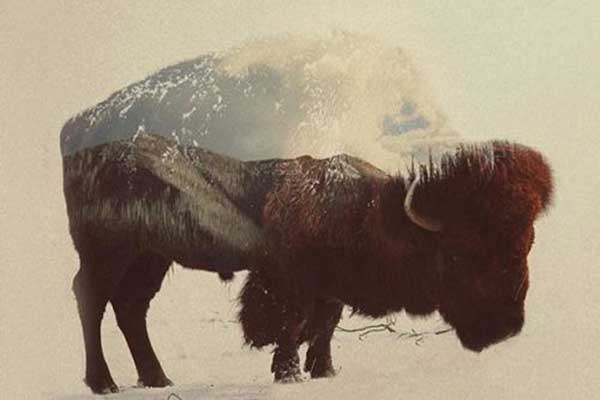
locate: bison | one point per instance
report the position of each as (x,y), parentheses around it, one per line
(316,234)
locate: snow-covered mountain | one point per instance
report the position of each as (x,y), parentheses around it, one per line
(280,97)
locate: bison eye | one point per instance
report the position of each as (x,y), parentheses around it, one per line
(505,275)
(456,260)
(516,259)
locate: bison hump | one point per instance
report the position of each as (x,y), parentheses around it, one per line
(321,202)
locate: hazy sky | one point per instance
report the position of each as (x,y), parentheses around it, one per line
(543,55)
(527,71)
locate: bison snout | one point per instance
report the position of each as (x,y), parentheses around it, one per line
(485,333)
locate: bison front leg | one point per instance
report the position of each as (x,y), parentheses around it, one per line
(268,317)
(319,333)
(286,362)
(131,302)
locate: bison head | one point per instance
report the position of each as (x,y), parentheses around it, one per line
(481,203)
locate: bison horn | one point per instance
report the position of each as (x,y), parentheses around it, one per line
(421,220)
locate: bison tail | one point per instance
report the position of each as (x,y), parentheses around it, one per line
(262,313)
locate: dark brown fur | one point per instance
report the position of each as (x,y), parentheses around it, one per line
(316,234)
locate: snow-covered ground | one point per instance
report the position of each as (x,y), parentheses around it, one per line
(526,73)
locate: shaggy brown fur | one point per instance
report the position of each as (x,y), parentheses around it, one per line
(316,234)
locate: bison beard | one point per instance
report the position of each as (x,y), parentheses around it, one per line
(315,234)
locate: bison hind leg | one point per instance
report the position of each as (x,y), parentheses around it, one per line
(99,273)
(131,302)
(262,314)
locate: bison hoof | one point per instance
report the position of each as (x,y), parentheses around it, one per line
(289,377)
(319,367)
(327,372)
(102,386)
(286,365)
(159,380)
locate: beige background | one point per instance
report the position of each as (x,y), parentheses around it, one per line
(527,71)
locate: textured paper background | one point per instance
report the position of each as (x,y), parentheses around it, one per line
(526,71)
